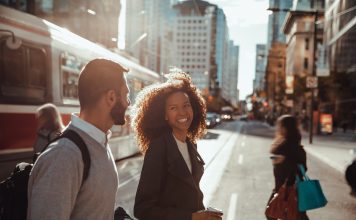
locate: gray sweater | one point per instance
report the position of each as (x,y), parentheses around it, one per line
(55,190)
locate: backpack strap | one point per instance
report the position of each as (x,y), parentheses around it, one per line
(78,141)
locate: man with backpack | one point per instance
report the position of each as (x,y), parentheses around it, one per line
(68,183)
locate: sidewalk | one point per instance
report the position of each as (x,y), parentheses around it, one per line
(337,158)
(334,150)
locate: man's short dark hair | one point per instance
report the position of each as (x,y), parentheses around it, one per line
(98,77)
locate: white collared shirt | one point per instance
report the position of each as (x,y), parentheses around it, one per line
(97,134)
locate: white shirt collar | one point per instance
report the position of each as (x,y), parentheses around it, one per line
(97,134)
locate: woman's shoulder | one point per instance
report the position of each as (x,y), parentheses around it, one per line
(159,142)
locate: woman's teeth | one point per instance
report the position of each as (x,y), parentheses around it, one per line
(182,120)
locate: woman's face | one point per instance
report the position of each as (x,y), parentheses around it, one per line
(179,112)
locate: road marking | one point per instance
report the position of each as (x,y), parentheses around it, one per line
(136,176)
(215,169)
(232,207)
(243,144)
(241,159)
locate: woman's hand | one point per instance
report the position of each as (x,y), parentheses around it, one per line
(206,215)
(277,159)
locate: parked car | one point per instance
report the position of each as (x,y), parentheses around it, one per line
(211,120)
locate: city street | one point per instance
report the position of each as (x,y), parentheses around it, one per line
(238,175)
(140,68)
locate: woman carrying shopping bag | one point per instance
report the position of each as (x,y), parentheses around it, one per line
(287,152)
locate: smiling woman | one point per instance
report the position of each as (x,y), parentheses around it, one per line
(168,119)
(152,110)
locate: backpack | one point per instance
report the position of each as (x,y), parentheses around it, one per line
(350,175)
(13,190)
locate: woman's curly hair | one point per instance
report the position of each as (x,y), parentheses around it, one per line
(148,112)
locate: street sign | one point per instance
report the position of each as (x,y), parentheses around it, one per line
(312,82)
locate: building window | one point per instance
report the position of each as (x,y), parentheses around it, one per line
(306,43)
(306,63)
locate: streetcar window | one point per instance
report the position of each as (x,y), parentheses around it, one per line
(13,66)
(70,85)
(24,76)
(37,71)
(71,67)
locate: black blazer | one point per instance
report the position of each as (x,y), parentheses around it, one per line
(167,190)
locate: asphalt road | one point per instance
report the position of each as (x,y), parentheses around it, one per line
(238,175)
(246,184)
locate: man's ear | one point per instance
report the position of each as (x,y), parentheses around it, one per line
(110,97)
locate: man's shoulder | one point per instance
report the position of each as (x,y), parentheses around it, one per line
(63,147)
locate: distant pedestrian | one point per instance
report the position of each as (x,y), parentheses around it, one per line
(345,124)
(49,125)
(168,119)
(56,188)
(287,153)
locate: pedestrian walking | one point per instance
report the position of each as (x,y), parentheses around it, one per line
(56,188)
(49,126)
(287,152)
(168,119)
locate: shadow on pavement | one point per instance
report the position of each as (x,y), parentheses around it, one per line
(210,135)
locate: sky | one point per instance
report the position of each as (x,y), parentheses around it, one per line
(247,21)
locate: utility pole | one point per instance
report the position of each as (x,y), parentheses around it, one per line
(311,124)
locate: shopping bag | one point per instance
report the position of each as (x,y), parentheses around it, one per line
(310,194)
(283,205)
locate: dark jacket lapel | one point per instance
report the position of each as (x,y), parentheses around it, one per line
(197,162)
(176,163)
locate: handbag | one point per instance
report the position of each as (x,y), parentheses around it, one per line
(310,194)
(283,204)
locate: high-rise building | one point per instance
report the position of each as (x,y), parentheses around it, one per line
(233,73)
(222,40)
(195,41)
(340,43)
(340,35)
(229,89)
(279,10)
(260,67)
(275,78)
